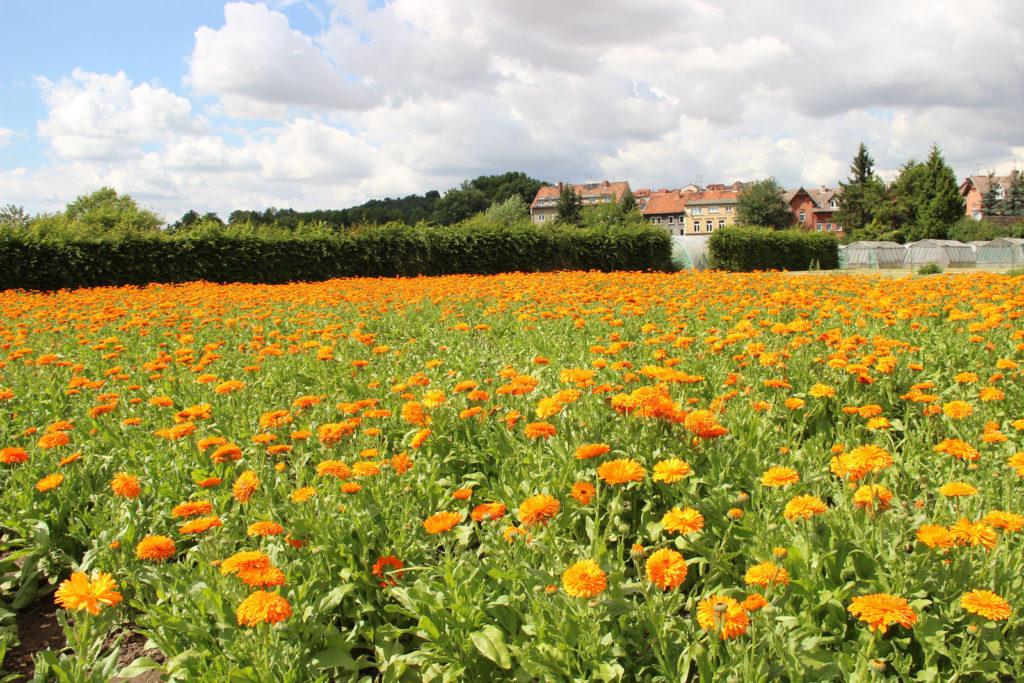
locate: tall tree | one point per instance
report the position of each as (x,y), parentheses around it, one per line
(990,201)
(762,203)
(860,195)
(569,206)
(627,200)
(940,204)
(12,216)
(1013,205)
(105,211)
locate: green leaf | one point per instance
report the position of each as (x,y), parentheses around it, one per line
(490,641)
(337,654)
(137,667)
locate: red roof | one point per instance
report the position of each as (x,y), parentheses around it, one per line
(667,202)
(612,190)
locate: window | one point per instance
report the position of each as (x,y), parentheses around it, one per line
(671,220)
(657,219)
(728,209)
(999,191)
(832,203)
(713,209)
(696,226)
(721,222)
(819,226)
(828,227)
(707,226)
(803,216)
(540,217)
(695,211)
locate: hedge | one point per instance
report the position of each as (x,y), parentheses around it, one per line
(384,251)
(745,249)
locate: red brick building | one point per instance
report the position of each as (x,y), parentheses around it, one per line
(814,209)
(973,191)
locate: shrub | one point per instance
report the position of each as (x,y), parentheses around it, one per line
(751,248)
(227,255)
(929,269)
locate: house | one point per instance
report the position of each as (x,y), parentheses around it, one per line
(711,208)
(668,209)
(814,209)
(642,196)
(974,189)
(544,207)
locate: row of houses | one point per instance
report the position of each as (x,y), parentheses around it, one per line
(693,210)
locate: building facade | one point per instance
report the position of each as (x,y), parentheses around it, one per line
(814,209)
(974,189)
(544,207)
(666,208)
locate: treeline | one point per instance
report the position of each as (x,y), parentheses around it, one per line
(922,202)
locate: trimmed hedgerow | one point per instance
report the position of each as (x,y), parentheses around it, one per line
(745,249)
(382,251)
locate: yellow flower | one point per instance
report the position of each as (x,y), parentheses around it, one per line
(671,470)
(79,593)
(986,604)
(584,580)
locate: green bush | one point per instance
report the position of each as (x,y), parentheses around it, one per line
(929,269)
(32,262)
(745,249)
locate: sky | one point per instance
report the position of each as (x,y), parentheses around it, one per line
(311,104)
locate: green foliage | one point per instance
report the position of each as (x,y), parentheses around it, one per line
(249,254)
(1013,204)
(106,213)
(861,194)
(609,216)
(941,205)
(991,204)
(929,269)
(762,203)
(569,207)
(12,216)
(753,248)
(627,201)
(968,230)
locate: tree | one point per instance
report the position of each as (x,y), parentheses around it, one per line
(627,201)
(106,212)
(569,206)
(1013,204)
(940,204)
(460,203)
(12,216)
(990,201)
(762,203)
(861,194)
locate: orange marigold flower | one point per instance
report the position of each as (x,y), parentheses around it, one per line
(125,485)
(419,438)
(301,495)
(77,455)
(53,440)
(822,391)
(13,455)
(682,521)
(155,548)
(621,471)
(209,482)
(275,418)
(365,468)
(401,463)
(671,470)
(777,477)
(333,468)
(794,403)
(986,604)
(200,525)
(934,536)
(968,533)
(229,386)
(881,610)
(192,508)
(539,430)
(666,569)
(439,522)
(80,593)
(591,450)
(957,489)
(753,602)
(265,529)
(584,579)
(462,494)
(389,568)
(859,462)
(961,450)
(1009,522)
(874,497)
(246,485)
(722,615)
(702,423)
(957,410)
(538,509)
(263,607)
(488,511)
(227,452)
(804,507)
(583,492)
(351,487)
(49,482)
(766,574)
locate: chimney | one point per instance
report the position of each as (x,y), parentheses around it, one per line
(822,188)
(560,187)
(605,183)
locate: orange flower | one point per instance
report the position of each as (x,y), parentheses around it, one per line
(265,529)
(50,481)
(753,602)
(874,497)
(227,452)
(439,522)
(200,525)
(125,485)
(934,536)
(766,574)
(804,507)
(263,607)
(1009,522)
(779,477)
(13,455)
(584,579)
(155,548)
(682,521)
(538,509)
(722,615)
(702,423)
(333,468)
(859,462)
(245,486)
(968,533)
(666,569)
(957,489)
(591,450)
(53,440)
(209,482)
(539,430)
(961,450)
(488,511)
(671,470)
(621,471)
(81,593)
(388,568)
(881,610)
(419,438)
(986,604)
(192,508)
(957,410)
(583,492)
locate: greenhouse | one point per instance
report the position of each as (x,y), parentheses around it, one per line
(1005,251)
(689,252)
(868,254)
(945,253)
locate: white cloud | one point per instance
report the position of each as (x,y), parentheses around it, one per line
(5,137)
(414,95)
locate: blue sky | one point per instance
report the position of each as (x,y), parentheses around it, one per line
(212,105)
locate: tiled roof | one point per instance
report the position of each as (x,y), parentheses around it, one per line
(981,182)
(584,190)
(713,197)
(669,202)
(821,197)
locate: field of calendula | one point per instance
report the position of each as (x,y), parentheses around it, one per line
(569,476)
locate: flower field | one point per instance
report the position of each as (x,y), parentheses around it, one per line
(568,476)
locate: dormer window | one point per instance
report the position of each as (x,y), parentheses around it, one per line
(999,192)
(833,204)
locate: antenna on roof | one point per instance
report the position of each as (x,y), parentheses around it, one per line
(699,182)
